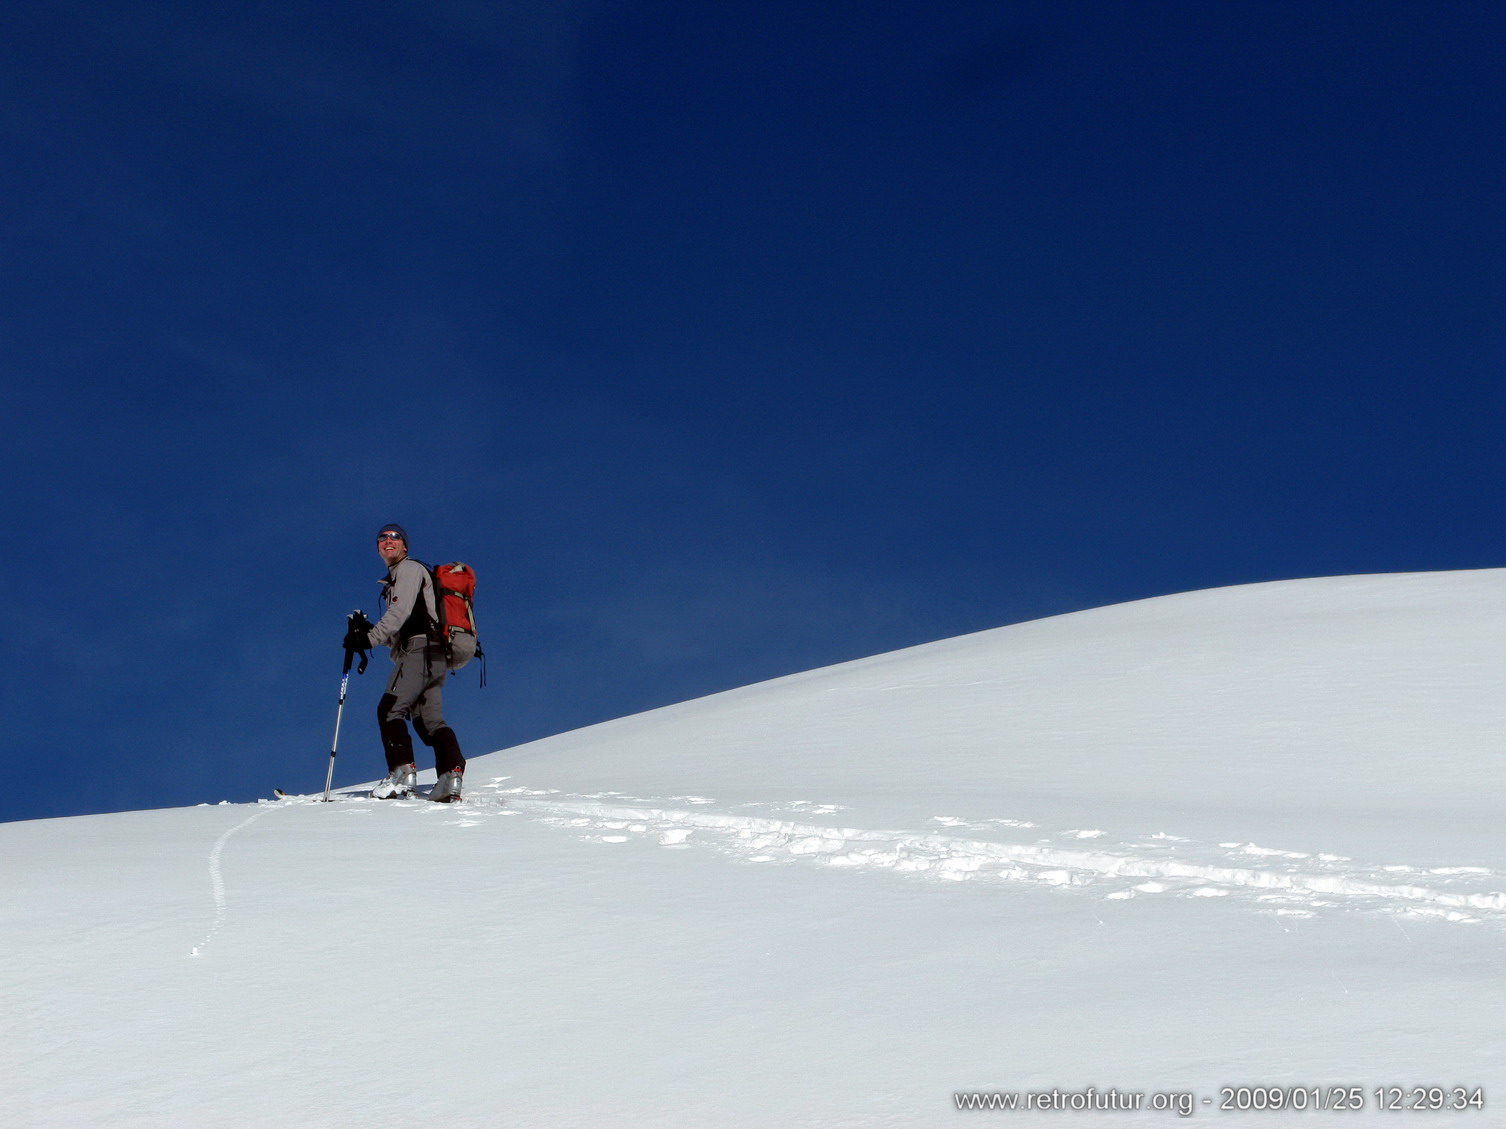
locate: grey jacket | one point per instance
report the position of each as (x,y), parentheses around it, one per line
(406,581)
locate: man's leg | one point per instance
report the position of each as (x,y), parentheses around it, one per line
(449,764)
(404,688)
(428,719)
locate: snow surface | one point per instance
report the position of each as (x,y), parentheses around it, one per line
(1248,836)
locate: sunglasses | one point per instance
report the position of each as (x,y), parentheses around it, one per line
(387,537)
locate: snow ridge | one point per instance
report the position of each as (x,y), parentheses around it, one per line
(1288,883)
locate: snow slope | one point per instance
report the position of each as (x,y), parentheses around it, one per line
(1240,837)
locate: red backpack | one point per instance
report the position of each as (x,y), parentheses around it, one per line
(454,595)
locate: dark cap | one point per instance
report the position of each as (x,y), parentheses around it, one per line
(391,529)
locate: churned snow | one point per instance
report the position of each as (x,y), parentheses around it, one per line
(1248,837)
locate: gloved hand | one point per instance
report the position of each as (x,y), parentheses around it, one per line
(358,638)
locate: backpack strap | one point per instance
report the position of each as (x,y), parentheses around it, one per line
(419,621)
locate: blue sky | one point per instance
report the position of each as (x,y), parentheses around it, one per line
(724,340)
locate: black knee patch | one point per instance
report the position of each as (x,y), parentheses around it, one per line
(395,739)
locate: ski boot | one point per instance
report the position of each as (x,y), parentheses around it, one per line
(447,790)
(399,782)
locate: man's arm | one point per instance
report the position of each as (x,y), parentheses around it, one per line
(407,584)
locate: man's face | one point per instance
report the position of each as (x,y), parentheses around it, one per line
(391,549)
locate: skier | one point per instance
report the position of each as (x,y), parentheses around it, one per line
(409,627)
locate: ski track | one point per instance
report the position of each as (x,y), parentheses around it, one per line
(1288,884)
(217,880)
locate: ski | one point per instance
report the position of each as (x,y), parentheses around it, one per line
(345,797)
(284,796)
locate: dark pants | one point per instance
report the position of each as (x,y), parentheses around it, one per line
(416,691)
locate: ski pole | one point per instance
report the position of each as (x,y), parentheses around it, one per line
(356,618)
